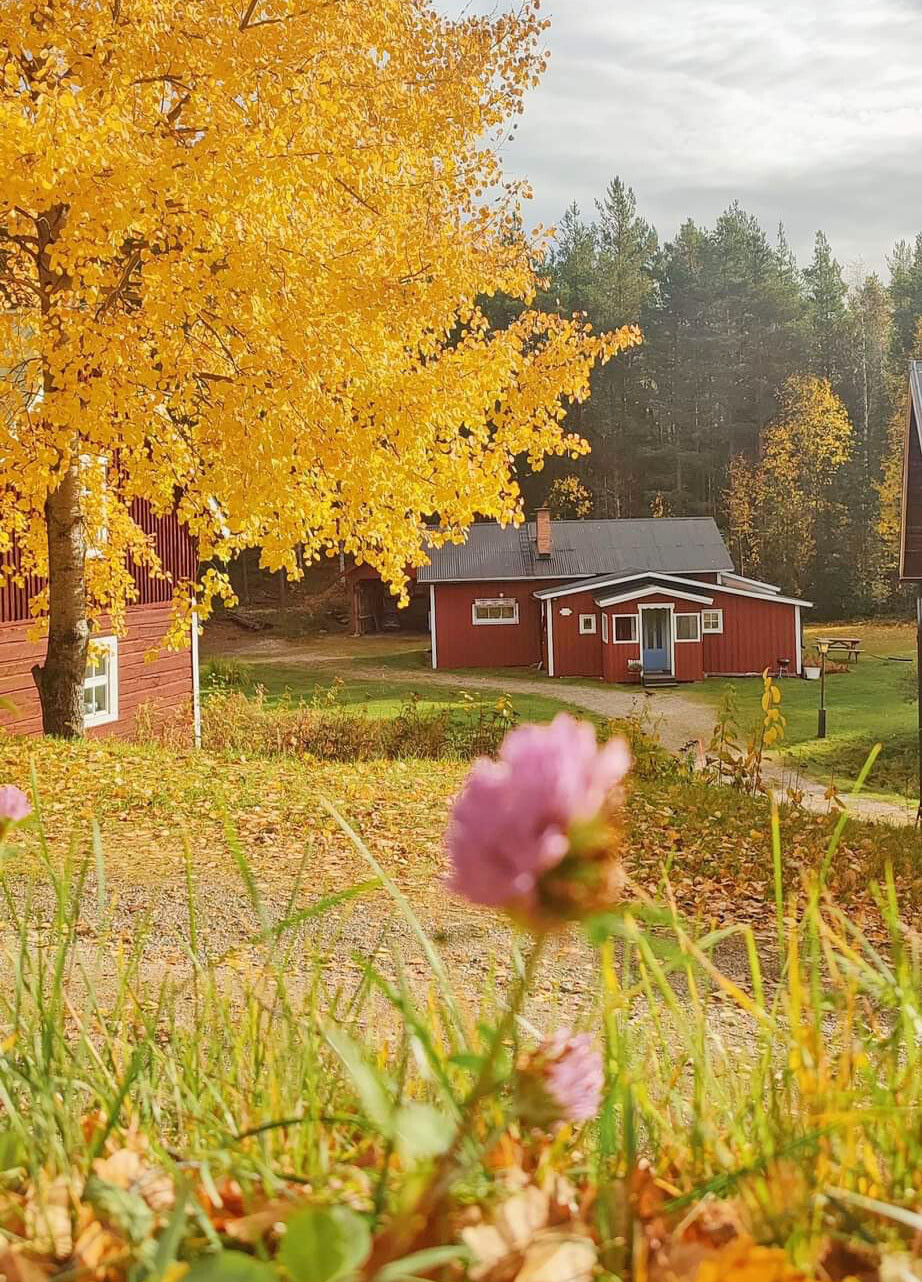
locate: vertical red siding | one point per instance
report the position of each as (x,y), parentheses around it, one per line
(462,644)
(576,654)
(172,542)
(617,654)
(166,682)
(757,633)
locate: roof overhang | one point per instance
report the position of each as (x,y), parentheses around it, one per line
(753,583)
(656,576)
(594,582)
(653,590)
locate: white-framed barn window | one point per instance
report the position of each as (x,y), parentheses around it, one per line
(495,610)
(625,628)
(605,628)
(586,625)
(712,620)
(100,685)
(688,627)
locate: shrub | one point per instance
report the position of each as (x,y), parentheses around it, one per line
(248,725)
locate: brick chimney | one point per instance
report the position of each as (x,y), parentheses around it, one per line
(544,541)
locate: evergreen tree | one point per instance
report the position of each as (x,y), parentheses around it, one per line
(827,291)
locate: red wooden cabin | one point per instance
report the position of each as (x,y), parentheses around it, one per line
(120,679)
(650,601)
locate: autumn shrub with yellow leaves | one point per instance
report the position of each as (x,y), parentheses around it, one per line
(237,1117)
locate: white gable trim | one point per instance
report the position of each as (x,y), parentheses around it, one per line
(664,591)
(661,577)
(593,582)
(753,583)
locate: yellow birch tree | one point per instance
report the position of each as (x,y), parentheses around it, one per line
(784,508)
(241,252)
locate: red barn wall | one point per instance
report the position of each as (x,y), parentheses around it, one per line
(174,546)
(757,633)
(576,655)
(165,683)
(462,644)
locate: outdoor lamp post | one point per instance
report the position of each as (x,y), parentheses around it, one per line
(823,647)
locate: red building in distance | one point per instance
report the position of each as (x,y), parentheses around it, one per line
(652,601)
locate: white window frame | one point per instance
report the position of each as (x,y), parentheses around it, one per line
(687,640)
(705,630)
(493,602)
(587,625)
(96,540)
(604,627)
(635,629)
(110,680)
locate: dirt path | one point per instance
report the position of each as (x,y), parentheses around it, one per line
(681,724)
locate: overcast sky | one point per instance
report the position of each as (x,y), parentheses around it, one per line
(808,112)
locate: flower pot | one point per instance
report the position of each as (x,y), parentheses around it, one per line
(811,673)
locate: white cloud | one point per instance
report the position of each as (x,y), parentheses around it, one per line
(807,111)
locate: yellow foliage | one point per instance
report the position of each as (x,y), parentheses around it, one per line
(776,505)
(241,252)
(568,498)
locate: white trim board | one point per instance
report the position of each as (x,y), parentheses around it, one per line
(660,576)
(435,662)
(658,605)
(595,582)
(741,578)
(550,638)
(633,596)
(196,681)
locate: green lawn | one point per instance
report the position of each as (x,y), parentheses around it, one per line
(874,702)
(333,682)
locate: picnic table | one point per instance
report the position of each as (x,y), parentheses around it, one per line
(849,646)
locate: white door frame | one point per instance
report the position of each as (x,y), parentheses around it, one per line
(670,633)
(550,638)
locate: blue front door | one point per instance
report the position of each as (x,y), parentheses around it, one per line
(656,640)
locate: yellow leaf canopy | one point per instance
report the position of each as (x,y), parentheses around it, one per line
(242,250)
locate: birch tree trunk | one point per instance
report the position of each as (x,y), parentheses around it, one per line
(60,679)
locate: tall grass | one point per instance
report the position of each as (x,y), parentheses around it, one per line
(790,1082)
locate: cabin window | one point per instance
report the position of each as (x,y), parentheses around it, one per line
(586,624)
(100,685)
(625,626)
(605,628)
(688,627)
(712,620)
(496,610)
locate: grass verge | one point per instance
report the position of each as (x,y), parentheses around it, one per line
(249,1113)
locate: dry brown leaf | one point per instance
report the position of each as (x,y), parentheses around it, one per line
(48,1218)
(253,1228)
(16,1266)
(742,1260)
(515,1222)
(558,1257)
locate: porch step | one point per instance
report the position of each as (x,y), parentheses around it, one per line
(657,680)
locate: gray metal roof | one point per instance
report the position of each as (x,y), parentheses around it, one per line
(582,548)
